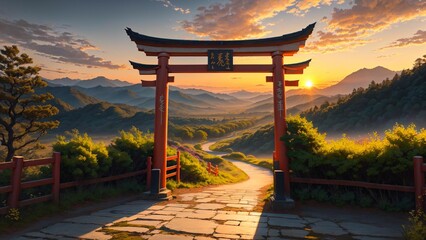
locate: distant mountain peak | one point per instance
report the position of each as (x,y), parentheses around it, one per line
(89,83)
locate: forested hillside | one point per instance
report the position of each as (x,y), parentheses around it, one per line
(259,142)
(378,107)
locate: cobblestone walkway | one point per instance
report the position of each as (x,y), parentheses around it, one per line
(223,212)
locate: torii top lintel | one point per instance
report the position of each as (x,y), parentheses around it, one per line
(289,44)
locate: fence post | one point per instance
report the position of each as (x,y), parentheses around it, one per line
(216,172)
(209,167)
(178,167)
(418,181)
(16,181)
(56,175)
(148,172)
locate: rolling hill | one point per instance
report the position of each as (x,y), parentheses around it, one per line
(68,96)
(104,118)
(378,107)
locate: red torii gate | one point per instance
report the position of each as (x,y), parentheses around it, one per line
(276,47)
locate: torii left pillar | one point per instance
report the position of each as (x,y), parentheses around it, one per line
(161,117)
(280,124)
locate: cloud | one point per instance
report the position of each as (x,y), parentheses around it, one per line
(234,19)
(418,38)
(63,47)
(167,3)
(243,19)
(302,7)
(45,68)
(348,28)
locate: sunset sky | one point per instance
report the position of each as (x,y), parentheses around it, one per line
(85,39)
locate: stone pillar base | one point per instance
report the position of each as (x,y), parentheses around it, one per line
(284,204)
(164,195)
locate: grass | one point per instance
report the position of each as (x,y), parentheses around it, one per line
(261,162)
(194,172)
(125,235)
(70,199)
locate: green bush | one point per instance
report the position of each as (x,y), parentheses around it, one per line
(387,160)
(192,170)
(416,230)
(136,144)
(236,155)
(81,157)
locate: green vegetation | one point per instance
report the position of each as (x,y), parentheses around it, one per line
(265,163)
(378,107)
(194,170)
(260,141)
(23,113)
(417,228)
(387,161)
(202,132)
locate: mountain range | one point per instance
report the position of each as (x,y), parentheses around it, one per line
(361,78)
(84,98)
(89,83)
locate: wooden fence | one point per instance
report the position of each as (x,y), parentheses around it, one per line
(212,169)
(18,164)
(174,167)
(419,188)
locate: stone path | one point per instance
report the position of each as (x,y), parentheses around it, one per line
(223,212)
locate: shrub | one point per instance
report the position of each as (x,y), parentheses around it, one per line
(136,144)
(121,161)
(416,230)
(192,170)
(236,155)
(385,160)
(81,157)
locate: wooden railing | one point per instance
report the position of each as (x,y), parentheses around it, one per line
(174,167)
(419,181)
(418,189)
(212,169)
(16,185)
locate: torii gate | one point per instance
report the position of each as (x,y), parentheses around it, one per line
(219,55)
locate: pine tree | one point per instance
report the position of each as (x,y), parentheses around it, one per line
(21,109)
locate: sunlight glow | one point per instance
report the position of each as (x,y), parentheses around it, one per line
(309,83)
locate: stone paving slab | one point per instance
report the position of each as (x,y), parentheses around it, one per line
(130,229)
(369,230)
(70,229)
(91,219)
(222,212)
(297,233)
(284,222)
(329,228)
(157,217)
(194,226)
(170,237)
(151,223)
(209,206)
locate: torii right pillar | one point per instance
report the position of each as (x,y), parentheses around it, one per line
(280,124)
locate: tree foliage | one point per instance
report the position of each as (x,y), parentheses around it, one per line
(402,100)
(22,110)
(202,132)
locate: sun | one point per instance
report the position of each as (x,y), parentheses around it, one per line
(309,84)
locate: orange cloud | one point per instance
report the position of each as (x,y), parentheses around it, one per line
(418,38)
(351,27)
(235,19)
